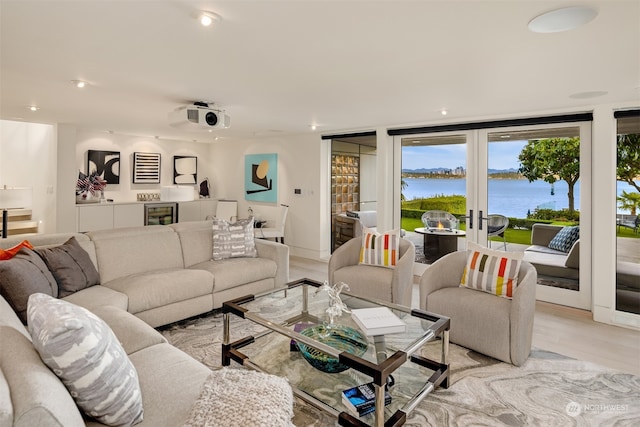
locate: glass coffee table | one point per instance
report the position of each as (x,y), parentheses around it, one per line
(393,358)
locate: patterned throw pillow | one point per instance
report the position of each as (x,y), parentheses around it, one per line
(564,240)
(380,249)
(87,357)
(491,271)
(233,240)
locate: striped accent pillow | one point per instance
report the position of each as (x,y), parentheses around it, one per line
(380,249)
(491,271)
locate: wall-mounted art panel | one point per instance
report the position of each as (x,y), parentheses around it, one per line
(185,169)
(146,168)
(261,177)
(106,164)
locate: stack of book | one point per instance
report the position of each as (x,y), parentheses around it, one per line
(378,321)
(361,400)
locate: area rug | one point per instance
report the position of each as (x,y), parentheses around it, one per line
(548,390)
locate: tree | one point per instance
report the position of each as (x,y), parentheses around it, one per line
(552,159)
(403,186)
(629,202)
(628,169)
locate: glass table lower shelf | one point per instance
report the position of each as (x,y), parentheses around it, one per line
(272,348)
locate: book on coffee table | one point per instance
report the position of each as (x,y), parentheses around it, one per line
(361,400)
(378,321)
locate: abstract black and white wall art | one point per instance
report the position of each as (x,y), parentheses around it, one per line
(146,168)
(185,169)
(106,164)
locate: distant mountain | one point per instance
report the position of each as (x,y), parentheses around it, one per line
(423,170)
(510,170)
(440,170)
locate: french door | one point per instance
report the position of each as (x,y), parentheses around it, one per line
(497,173)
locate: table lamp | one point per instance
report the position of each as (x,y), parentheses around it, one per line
(13,198)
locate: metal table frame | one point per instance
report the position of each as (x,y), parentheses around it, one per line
(379,372)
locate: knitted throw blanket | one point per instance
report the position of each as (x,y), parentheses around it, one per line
(242,398)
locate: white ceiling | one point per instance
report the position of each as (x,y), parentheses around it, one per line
(279,66)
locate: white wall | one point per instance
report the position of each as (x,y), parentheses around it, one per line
(126,191)
(28,159)
(301,164)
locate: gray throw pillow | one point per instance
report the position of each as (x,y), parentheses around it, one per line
(71,266)
(85,354)
(233,240)
(23,275)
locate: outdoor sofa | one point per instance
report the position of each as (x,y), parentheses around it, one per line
(149,276)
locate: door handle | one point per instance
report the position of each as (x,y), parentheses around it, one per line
(470,218)
(480,218)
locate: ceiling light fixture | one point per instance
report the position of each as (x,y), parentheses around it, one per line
(33,108)
(565,19)
(313,127)
(207,18)
(444,112)
(79,83)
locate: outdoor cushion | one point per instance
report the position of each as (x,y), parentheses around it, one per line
(564,240)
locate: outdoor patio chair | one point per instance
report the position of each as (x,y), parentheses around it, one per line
(496,226)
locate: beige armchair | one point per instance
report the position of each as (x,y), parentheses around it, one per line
(388,284)
(498,327)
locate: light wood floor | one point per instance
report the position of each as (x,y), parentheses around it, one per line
(556,328)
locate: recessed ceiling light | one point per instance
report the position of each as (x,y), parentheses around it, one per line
(444,112)
(207,18)
(564,19)
(313,127)
(33,107)
(79,83)
(587,95)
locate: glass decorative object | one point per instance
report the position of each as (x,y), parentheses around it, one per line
(340,337)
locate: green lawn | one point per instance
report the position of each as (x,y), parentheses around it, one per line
(514,236)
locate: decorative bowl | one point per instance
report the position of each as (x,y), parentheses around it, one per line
(342,338)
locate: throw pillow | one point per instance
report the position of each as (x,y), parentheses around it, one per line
(564,240)
(380,249)
(23,275)
(87,357)
(233,239)
(11,252)
(491,271)
(71,266)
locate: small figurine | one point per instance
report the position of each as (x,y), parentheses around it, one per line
(336,306)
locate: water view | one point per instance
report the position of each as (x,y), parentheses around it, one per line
(509,197)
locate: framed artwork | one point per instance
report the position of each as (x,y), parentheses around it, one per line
(106,164)
(261,177)
(185,169)
(146,168)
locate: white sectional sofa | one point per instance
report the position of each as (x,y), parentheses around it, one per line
(149,276)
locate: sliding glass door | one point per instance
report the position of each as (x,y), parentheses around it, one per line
(512,189)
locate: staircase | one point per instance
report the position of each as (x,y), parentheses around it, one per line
(20,222)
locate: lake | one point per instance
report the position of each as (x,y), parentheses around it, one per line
(509,197)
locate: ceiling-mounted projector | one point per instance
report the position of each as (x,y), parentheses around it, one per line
(199,115)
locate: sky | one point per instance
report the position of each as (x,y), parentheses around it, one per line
(502,155)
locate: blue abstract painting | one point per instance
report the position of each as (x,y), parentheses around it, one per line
(261,177)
